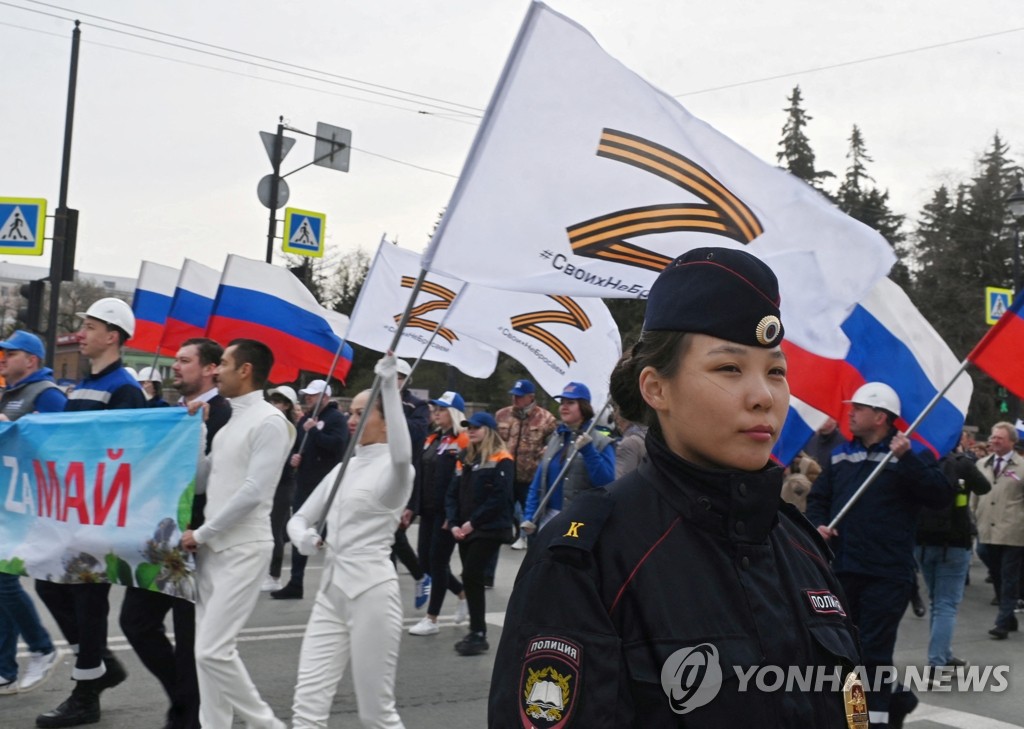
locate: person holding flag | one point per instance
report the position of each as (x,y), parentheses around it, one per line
(594,467)
(690,565)
(874,545)
(357,615)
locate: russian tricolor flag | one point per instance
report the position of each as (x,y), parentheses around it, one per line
(153,294)
(190,309)
(256,300)
(999,351)
(890,342)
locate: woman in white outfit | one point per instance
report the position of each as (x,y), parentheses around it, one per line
(357,615)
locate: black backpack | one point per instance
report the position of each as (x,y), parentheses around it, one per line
(950,526)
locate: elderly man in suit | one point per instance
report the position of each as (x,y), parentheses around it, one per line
(1000,518)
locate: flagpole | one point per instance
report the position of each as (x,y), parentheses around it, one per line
(889,456)
(374,394)
(529,526)
(330,373)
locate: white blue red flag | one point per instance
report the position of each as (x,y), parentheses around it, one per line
(999,352)
(190,309)
(256,300)
(890,342)
(154,291)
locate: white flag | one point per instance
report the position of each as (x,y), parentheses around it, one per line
(559,339)
(383,298)
(585,180)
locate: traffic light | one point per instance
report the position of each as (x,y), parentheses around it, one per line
(30,314)
(65,229)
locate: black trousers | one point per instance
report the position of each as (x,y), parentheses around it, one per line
(142,619)
(81,613)
(280,512)
(402,551)
(475,555)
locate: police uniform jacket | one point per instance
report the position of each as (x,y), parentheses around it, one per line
(635,597)
(876,537)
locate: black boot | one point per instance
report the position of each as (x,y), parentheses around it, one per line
(291,591)
(82,707)
(115,674)
(472,645)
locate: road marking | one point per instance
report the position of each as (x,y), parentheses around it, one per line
(954,718)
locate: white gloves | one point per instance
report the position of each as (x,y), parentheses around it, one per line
(310,542)
(386,367)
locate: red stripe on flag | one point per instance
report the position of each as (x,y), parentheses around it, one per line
(147,338)
(999,353)
(291,354)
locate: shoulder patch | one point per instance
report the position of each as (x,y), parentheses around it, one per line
(580,525)
(550,682)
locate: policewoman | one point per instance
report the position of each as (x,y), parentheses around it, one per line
(681,593)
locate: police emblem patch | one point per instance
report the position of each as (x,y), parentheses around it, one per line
(824,602)
(549,683)
(768,330)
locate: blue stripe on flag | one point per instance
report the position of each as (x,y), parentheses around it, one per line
(151,306)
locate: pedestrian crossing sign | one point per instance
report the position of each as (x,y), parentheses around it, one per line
(22,225)
(997,301)
(304,232)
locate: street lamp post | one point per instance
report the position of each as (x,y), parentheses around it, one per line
(1015,204)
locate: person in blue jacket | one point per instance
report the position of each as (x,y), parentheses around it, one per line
(594,466)
(874,542)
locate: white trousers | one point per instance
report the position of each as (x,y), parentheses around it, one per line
(366,630)
(229,585)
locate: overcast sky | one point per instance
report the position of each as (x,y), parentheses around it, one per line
(167,153)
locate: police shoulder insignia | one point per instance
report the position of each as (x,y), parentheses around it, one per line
(550,682)
(824,602)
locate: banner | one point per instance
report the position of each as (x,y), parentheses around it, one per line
(383,298)
(585,180)
(100,497)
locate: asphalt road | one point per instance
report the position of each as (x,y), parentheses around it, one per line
(438,688)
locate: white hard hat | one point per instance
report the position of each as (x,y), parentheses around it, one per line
(404,368)
(877,395)
(112,311)
(287,392)
(148,374)
(131,371)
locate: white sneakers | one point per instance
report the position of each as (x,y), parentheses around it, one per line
(519,543)
(461,613)
(8,686)
(270,584)
(425,627)
(40,667)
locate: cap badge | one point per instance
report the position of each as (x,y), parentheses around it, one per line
(768,330)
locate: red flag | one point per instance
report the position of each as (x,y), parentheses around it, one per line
(999,351)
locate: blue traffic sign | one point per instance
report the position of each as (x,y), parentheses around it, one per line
(304,232)
(22,225)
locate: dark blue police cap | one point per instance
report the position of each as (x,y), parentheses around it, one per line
(723,292)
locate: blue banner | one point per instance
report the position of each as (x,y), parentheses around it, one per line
(100,497)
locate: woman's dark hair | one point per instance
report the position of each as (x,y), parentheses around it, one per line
(660,350)
(586,410)
(289,406)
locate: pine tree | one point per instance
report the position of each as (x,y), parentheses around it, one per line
(797,155)
(963,244)
(859,198)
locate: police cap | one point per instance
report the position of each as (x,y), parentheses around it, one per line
(726,293)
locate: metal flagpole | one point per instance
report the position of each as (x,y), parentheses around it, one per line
(330,373)
(889,456)
(374,394)
(529,526)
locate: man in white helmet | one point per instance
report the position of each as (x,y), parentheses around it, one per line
(81,609)
(874,543)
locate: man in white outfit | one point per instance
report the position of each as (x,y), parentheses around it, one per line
(234,545)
